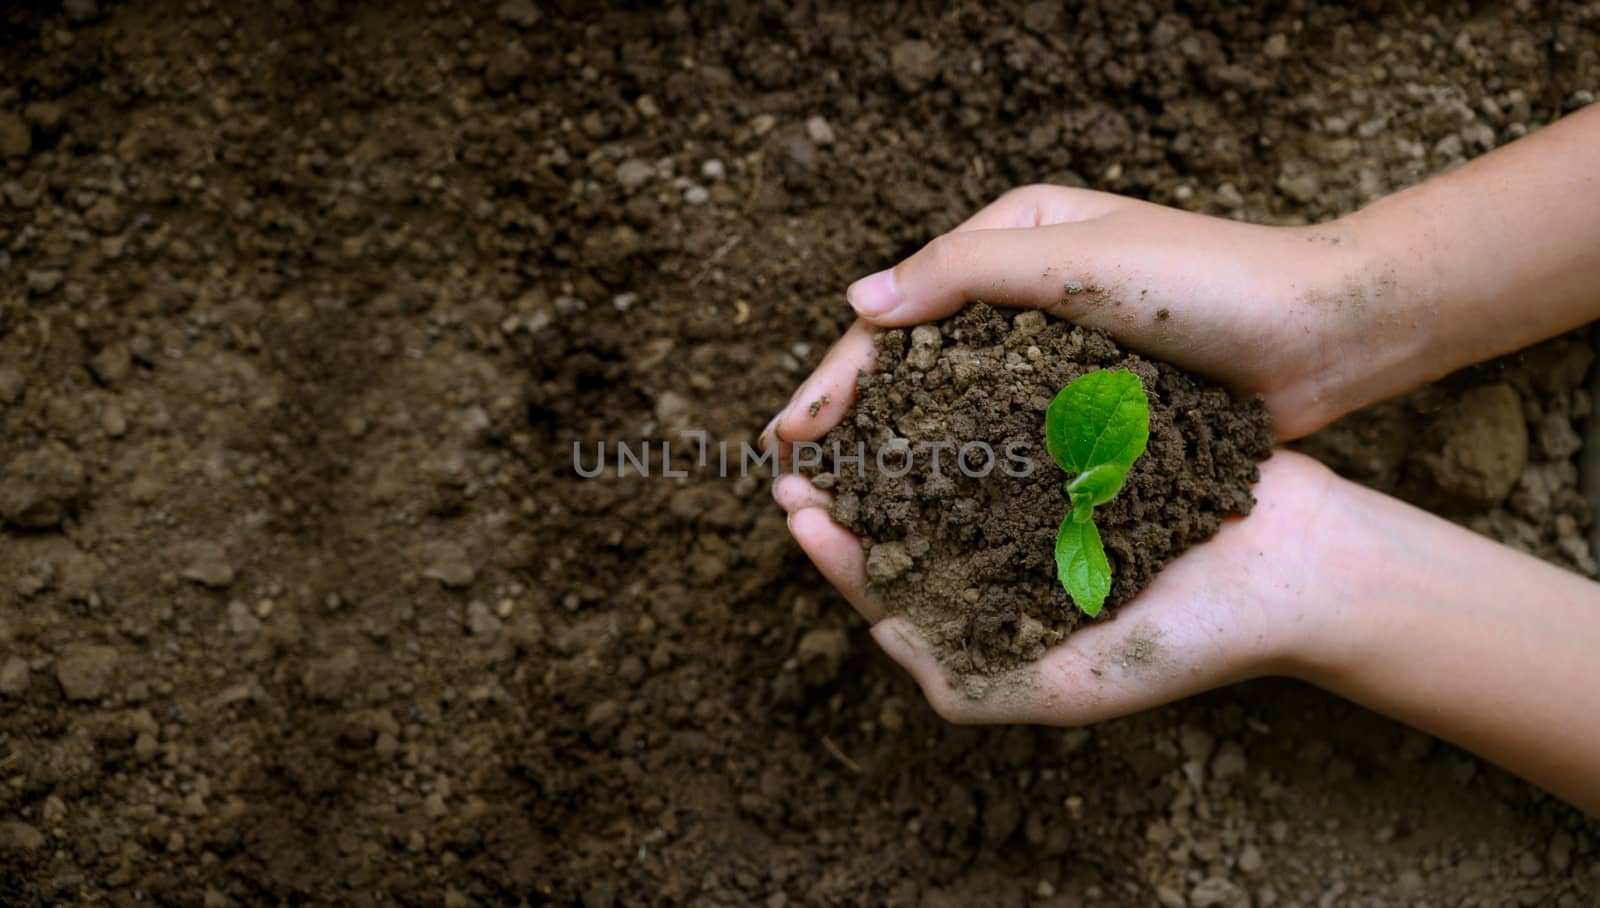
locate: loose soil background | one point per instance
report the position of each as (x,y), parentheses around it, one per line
(302,307)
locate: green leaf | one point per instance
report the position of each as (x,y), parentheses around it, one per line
(1096,427)
(1097,485)
(1081,564)
(1102,418)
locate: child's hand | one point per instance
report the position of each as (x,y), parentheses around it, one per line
(1241,605)
(1276,311)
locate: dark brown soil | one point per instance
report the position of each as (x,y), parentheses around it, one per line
(970,559)
(303,305)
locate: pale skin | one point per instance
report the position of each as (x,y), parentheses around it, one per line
(1325,581)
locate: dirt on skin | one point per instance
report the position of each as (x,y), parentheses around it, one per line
(966,549)
(303,306)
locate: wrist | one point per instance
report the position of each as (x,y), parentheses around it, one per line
(1317,584)
(1388,291)
(1359,286)
(1331,299)
(1376,558)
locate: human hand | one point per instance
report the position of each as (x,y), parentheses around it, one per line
(1243,604)
(1325,581)
(1245,305)
(1277,311)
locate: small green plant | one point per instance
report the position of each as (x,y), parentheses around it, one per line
(1096,427)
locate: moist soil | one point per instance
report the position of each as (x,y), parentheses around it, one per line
(966,550)
(303,306)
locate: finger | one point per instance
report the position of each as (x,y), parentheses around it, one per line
(824,397)
(905,644)
(1020,267)
(1038,206)
(794,493)
(1027,206)
(1101,672)
(838,555)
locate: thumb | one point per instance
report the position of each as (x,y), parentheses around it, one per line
(1014,267)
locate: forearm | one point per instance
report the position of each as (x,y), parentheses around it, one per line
(1467,639)
(1487,259)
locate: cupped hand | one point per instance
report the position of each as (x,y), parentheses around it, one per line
(1262,310)
(1284,312)
(1237,606)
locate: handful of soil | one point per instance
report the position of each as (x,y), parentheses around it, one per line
(968,553)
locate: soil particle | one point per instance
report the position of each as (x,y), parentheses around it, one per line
(41,488)
(15,138)
(105,216)
(113,421)
(14,676)
(112,364)
(482,622)
(1302,187)
(602,715)
(915,64)
(1142,648)
(1251,863)
(1477,449)
(12,381)
(1229,761)
(207,564)
(447,562)
(674,413)
(819,130)
(886,561)
(970,558)
(821,653)
(521,13)
(18,836)
(1197,743)
(507,68)
(81,11)
(80,574)
(242,622)
(633,174)
(45,116)
(333,677)
(1218,892)
(44,281)
(85,670)
(926,340)
(1555,438)
(797,161)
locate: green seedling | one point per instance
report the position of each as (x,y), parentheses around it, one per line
(1096,428)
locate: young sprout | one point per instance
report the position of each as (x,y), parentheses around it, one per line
(1096,427)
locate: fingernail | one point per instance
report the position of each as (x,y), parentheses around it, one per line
(874,294)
